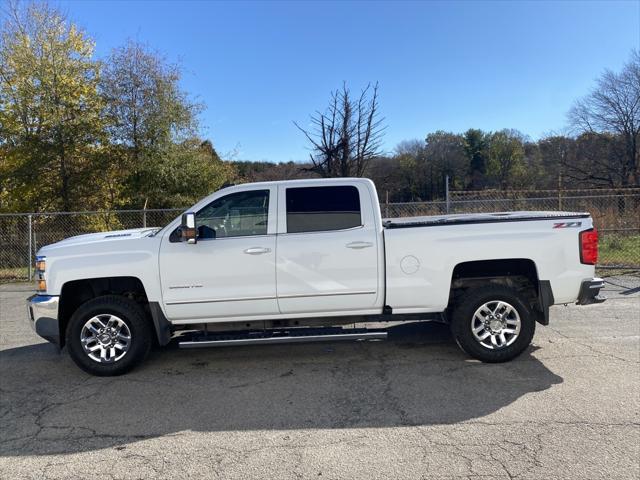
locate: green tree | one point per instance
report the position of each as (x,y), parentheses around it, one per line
(50,109)
(186,172)
(505,166)
(152,121)
(414,177)
(475,147)
(445,151)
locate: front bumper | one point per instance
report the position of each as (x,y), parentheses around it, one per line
(43,316)
(590,292)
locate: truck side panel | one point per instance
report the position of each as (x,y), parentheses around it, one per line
(420,261)
(134,258)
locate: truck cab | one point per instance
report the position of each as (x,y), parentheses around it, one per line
(322,254)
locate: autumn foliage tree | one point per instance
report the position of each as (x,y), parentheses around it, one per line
(80,133)
(50,110)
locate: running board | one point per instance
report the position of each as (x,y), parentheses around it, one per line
(302,335)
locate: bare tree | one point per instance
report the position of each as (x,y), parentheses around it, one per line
(613,107)
(347,135)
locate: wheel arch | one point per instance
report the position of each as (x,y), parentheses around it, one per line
(77,292)
(520,274)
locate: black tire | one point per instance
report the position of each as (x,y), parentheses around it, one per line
(126,310)
(463,313)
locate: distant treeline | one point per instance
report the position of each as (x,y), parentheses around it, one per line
(477,160)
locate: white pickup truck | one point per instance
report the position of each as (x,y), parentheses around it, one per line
(302,260)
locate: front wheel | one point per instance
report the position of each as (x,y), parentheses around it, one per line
(493,323)
(108,335)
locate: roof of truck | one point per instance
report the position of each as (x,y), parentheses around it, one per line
(303,181)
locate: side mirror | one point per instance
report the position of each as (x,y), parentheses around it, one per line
(188,228)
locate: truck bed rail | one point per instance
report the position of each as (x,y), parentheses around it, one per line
(471,218)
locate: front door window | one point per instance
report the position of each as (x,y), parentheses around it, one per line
(239,214)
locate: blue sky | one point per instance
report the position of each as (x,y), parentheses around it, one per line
(258,66)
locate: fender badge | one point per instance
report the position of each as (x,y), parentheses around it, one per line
(567,225)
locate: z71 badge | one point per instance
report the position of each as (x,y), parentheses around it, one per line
(567,224)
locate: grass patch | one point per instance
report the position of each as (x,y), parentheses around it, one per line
(13,274)
(621,250)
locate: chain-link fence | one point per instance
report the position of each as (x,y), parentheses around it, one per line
(616,213)
(21,235)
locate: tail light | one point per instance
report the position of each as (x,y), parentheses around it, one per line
(589,246)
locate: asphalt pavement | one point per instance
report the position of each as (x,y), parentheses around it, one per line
(411,407)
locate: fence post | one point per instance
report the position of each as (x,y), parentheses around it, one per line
(560,187)
(30,233)
(386,205)
(446,192)
(559,199)
(144,214)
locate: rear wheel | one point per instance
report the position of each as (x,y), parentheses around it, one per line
(109,335)
(493,323)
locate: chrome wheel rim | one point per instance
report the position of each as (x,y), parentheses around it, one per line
(496,324)
(105,338)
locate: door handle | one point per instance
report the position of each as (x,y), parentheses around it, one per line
(256,250)
(359,245)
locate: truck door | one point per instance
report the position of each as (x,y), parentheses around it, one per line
(230,271)
(327,249)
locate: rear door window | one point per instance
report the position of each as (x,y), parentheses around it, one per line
(319,209)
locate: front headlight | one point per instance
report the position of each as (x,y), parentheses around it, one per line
(41,266)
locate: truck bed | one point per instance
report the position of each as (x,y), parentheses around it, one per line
(472,218)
